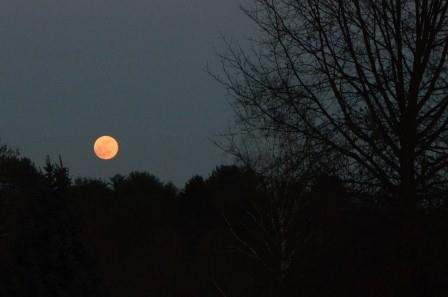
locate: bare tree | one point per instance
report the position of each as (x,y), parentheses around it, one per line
(367,78)
(271,234)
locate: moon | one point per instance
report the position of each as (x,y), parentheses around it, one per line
(106,147)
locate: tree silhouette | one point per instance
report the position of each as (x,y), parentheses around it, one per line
(366,78)
(238,232)
(50,258)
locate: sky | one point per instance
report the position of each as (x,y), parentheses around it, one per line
(71,71)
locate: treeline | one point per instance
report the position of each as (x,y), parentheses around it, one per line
(231,234)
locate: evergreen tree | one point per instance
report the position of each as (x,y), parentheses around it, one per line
(51,258)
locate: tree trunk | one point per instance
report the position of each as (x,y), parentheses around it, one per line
(407,192)
(407,252)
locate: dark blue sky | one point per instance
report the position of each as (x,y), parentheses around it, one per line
(73,70)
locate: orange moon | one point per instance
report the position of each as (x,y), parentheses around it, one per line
(106,147)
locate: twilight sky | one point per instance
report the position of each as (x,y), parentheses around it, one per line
(74,70)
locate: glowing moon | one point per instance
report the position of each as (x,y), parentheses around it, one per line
(105,147)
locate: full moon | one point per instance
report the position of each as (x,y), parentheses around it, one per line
(105,147)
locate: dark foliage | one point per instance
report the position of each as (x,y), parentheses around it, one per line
(229,234)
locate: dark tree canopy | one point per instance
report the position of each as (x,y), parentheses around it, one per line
(233,233)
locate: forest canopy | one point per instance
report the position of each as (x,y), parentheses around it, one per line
(235,232)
